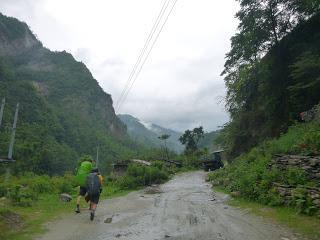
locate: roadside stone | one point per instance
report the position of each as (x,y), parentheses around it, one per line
(108,220)
(64,197)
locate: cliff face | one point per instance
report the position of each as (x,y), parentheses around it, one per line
(55,92)
(15,37)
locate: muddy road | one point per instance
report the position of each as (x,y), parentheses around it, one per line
(184,208)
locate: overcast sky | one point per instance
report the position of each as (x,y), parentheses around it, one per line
(180,86)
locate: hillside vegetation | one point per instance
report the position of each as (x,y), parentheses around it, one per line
(64,113)
(272,70)
(253,176)
(272,75)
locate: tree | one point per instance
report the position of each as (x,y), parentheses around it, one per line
(271,72)
(191,138)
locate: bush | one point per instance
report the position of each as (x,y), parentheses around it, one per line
(65,184)
(140,175)
(27,188)
(251,175)
(22,196)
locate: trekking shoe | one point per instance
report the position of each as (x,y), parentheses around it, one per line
(91,215)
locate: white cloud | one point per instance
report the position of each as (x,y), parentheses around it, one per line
(180,84)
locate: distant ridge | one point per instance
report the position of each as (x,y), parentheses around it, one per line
(148,133)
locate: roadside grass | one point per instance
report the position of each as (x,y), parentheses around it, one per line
(46,209)
(302,224)
(29,201)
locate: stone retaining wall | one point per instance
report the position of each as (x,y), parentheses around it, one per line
(288,192)
(311,165)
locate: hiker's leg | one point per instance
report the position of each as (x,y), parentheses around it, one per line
(82,192)
(93,206)
(78,199)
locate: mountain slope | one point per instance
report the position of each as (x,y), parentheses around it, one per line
(64,112)
(208,141)
(148,134)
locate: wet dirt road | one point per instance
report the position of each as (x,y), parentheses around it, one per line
(182,209)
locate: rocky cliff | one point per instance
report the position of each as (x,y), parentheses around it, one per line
(61,102)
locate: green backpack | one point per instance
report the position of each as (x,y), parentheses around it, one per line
(82,173)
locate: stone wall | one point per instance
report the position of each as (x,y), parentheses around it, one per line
(311,165)
(288,192)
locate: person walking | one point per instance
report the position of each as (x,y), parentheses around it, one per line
(94,189)
(81,177)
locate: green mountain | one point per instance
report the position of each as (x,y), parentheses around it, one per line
(148,134)
(208,141)
(64,112)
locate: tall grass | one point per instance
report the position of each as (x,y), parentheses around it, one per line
(252,177)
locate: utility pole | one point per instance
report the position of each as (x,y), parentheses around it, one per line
(97,157)
(1,110)
(13,134)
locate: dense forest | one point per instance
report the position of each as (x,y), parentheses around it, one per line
(272,75)
(272,70)
(63,114)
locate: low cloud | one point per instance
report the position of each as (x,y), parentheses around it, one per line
(180,86)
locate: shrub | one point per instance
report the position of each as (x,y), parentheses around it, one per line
(251,175)
(65,184)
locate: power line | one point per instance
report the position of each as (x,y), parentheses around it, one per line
(136,76)
(143,50)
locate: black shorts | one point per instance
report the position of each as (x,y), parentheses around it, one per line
(83,191)
(94,198)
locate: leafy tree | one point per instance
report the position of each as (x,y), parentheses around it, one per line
(272,70)
(191,138)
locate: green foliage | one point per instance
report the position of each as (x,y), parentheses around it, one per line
(28,188)
(272,71)
(302,202)
(64,113)
(190,139)
(12,28)
(140,175)
(251,176)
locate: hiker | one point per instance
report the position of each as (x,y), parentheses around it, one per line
(94,189)
(82,173)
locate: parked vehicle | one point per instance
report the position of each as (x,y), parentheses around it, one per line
(212,161)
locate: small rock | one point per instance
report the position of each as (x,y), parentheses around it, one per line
(225,207)
(64,197)
(108,220)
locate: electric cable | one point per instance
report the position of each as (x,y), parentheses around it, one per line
(144,61)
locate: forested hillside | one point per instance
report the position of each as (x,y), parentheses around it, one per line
(272,74)
(64,113)
(149,135)
(208,141)
(272,70)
